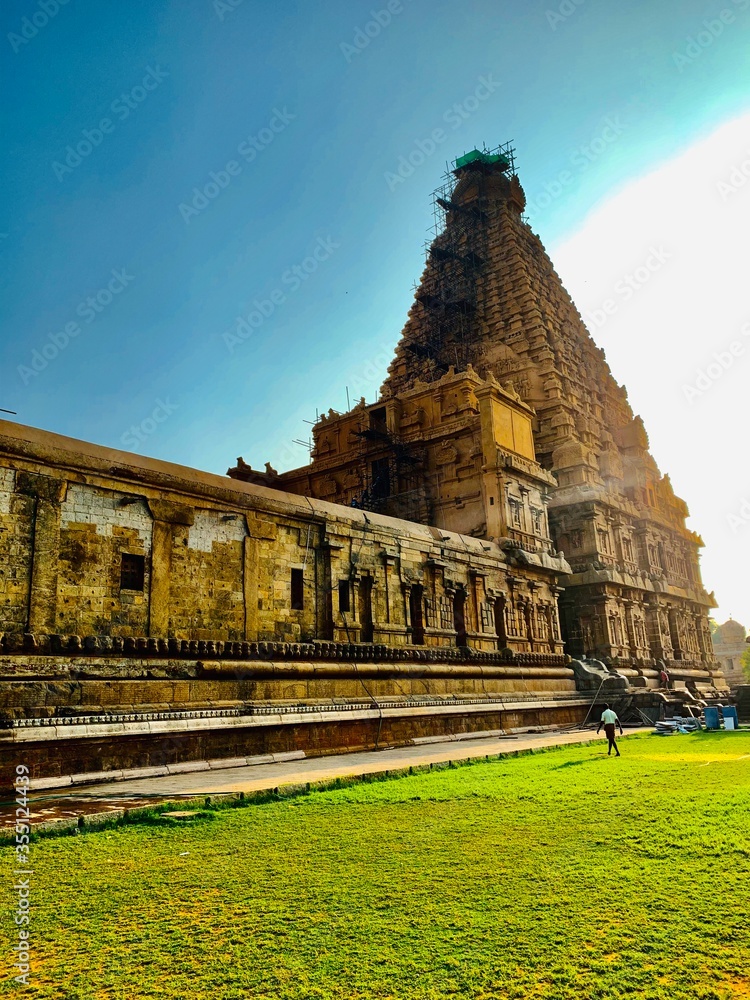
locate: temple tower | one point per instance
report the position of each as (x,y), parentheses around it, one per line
(492,318)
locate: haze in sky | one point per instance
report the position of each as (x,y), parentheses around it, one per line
(175,168)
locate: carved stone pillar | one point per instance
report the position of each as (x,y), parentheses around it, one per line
(363,586)
(528,617)
(542,623)
(691,634)
(675,634)
(48,494)
(601,626)
(476,584)
(704,638)
(392,607)
(414,611)
(554,616)
(553,624)
(166,515)
(258,532)
(658,631)
(323,592)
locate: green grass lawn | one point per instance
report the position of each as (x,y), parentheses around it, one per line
(559,875)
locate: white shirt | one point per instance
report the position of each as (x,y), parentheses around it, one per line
(609,716)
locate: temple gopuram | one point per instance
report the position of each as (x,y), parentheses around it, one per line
(500,419)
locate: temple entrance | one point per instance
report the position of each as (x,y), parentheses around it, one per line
(364,589)
(459,618)
(415,614)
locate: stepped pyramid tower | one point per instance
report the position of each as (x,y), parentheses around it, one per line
(500,419)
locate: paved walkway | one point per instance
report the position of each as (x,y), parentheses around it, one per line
(114,796)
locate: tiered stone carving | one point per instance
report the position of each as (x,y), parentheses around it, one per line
(490,309)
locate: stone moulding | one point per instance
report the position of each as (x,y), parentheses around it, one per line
(165,723)
(97,646)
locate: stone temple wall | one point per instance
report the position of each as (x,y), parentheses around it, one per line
(96,543)
(157,618)
(144,604)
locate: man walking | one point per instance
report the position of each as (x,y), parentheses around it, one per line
(609,720)
(664,675)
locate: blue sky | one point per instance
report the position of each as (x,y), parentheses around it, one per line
(314,105)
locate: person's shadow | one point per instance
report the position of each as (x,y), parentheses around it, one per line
(576,763)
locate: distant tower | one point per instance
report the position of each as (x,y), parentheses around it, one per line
(729,642)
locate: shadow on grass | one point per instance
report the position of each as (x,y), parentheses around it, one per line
(577,763)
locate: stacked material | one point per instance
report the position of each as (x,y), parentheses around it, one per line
(678,725)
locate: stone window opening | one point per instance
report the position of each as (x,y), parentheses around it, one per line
(416,596)
(345,604)
(132,571)
(364,593)
(511,618)
(378,421)
(500,622)
(459,618)
(381,479)
(298,590)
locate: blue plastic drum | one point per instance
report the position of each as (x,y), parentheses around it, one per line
(711,715)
